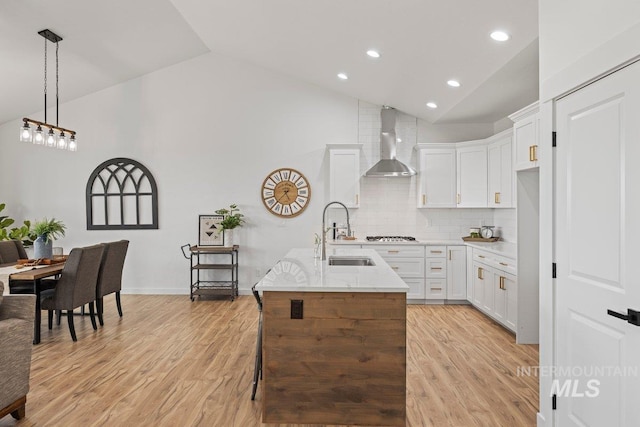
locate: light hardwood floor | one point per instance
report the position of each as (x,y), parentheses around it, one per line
(171,362)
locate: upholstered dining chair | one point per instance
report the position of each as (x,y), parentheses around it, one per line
(110,277)
(76,285)
(11,251)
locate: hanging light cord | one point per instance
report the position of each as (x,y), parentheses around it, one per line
(57,83)
(45,80)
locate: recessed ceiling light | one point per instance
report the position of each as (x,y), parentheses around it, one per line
(432,105)
(500,36)
(453,83)
(342,76)
(373,53)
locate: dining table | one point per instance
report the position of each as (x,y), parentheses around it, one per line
(34,275)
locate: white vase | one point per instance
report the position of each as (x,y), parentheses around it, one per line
(229,238)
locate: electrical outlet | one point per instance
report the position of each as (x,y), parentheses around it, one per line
(296,308)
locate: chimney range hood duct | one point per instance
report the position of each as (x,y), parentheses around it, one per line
(388,165)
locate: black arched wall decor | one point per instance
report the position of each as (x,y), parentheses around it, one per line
(121,194)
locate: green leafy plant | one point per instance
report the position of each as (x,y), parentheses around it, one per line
(232,217)
(50,229)
(16,233)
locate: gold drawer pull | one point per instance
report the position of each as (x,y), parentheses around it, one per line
(504,263)
(392,252)
(436,289)
(502,286)
(480,256)
(449,254)
(424,199)
(533,153)
(395,268)
(436,268)
(436,252)
(480,275)
(496,198)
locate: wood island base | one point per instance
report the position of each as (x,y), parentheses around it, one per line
(344,362)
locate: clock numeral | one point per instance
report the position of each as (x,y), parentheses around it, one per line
(301,201)
(286,210)
(295,207)
(294,176)
(270,202)
(302,192)
(267,193)
(269,184)
(301,183)
(276,177)
(285,175)
(277,208)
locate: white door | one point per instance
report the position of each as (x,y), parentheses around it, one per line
(597,241)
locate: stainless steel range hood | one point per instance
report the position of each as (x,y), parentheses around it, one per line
(389,166)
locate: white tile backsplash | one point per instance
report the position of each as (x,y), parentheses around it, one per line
(388,206)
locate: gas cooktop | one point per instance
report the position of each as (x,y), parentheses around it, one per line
(391,239)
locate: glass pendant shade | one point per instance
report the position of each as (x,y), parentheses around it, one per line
(73,145)
(26,133)
(62,141)
(51,139)
(38,137)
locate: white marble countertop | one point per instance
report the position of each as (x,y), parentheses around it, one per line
(299,271)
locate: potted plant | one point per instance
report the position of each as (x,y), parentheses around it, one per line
(16,233)
(46,231)
(232,219)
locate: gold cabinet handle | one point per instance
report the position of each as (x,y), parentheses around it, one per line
(531,153)
(357,199)
(436,268)
(480,256)
(394,268)
(449,254)
(424,199)
(504,263)
(535,153)
(435,252)
(502,278)
(458,198)
(436,289)
(392,252)
(496,198)
(480,275)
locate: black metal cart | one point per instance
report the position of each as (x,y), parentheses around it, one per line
(209,258)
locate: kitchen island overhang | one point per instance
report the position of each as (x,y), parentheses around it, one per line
(344,360)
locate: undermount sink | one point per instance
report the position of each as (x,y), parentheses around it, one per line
(351,260)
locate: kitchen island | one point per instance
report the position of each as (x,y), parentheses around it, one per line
(334,340)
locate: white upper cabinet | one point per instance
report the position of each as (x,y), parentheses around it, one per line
(500,174)
(436,177)
(525,137)
(344,174)
(471,171)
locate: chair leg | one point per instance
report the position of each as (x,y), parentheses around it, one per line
(72,329)
(257,370)
(50,318)
(59,313)
(93,316)
(118,303)
(99,307)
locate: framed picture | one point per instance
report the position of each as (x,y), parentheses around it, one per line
(210,232)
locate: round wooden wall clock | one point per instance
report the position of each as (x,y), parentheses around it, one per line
(286,192)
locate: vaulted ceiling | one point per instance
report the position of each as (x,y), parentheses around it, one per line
(422,43)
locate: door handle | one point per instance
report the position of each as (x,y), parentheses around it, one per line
(632,316)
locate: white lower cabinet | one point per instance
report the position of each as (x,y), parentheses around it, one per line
(456,272)
(408,261)
(495,288)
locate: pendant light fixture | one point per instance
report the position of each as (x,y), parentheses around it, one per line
(50,138)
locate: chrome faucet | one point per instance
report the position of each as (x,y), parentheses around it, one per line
(324,231)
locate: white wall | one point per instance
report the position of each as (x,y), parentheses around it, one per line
(209,129)
(572,30)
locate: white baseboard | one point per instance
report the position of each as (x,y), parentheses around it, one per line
(541,421)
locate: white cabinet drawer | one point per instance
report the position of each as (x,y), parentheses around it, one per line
(499,262)
(416,288)
(436,288)
(407,267)
(436,268)
(398,251)
(436,251)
